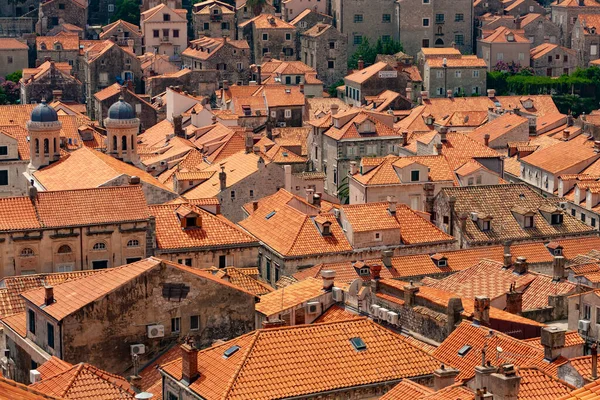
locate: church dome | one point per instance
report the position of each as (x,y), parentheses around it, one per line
(121,110)
(44,113)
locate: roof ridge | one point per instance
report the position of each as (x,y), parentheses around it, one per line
(242,364)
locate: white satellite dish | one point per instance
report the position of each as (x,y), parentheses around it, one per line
(355,287)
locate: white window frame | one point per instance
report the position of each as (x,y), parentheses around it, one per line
(288,113)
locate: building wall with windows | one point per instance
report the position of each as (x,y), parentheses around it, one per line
(461,80)
(515,52)
(586,40)
(164,32)
(54,13)
(278,42)
(214,19)
(555,62)
(12,166)
(184,303)
(566,17)
(325,49)
(435,23)
(12,60)
(291,8)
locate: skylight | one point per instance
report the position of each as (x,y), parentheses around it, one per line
(231,351)
(358,344)
(464,350)
(269,215)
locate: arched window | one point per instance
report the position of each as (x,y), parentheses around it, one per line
(64,249)
(37,146)
(124,143)
(57,46)
(43,46)
(46,146)
(27,252)
(439,42)
(99,246)
(133,243)
(114,143)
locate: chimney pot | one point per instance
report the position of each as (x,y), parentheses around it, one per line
(410,293)
(361,64)
(328,279)
(486,139)
(334,108)
(386,258)
(353,167)
(481,312)
(375,271)
(392,204)
(558,265)
(48,295)
(189,363)
(521,265)
(553,341)
(444,377)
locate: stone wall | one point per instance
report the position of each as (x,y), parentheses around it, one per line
(56,13)
(203,83)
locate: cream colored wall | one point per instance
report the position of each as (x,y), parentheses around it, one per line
(150,42)
(240,258)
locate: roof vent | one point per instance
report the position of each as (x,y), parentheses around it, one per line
(269,215)
(358,343)
(231,351)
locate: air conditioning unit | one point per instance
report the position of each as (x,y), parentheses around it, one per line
(312,307)
(392,318)
(563,204)
(583,325)
(155,331)
(34,376)
(281,124)
(383,313)
(375,310)
(474,216)
(338,295)
(138,349)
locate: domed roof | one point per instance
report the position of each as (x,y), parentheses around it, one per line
(121,110)
(44,113)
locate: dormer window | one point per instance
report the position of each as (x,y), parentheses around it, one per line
(524,216)
(324,225)
(188,218)
(529,221)
(190,222)
(556,219)
(364,271)
(439,260)
(415,176)
(486,225)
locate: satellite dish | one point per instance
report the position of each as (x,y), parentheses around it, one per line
(499,349)
(355,287)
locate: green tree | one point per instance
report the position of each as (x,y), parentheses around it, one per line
(368,53)
(127,10)
(15,76)
(333,88)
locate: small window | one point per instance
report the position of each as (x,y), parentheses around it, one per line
(133,243)
(593,222)
(486,225)
(358,343)
(358,18)
(330,64)
(251,192)
(3,150)
(155,33)
(50,335)
(386,18)
(4,178)
(175,325)
(288,36)
(206,26)
(31,317)
(459,17)
(27,252)
(414,176)
(425,43)
(377,236)
(357,39)
(190,222)
(439,18)
(61,6)
(587,311)
(166,17)
(175,33)
(288,113)
(194,322)
(459,39)
(573,212)
(111,8)
(528,221)
(332,45)
(231,351)
(222,261)
(557,219)
(99,246)
(442,263)
(265,37)
(425,21)
(582,217)
(475,74)
(9,59)
(233,195)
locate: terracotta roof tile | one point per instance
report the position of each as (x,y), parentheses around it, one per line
(460,148)
(12,44)
(563,156)
(150,373)
(53,366)
(406,390)
(83,381)
(17,322)
(11,390)
(498,127)
(70,296)
(69,42)
(453,392)
(360,76)
(267,21)
(351,129)
(515,351)
(335,313)
(291,296)
(591,391)
(501,35)
(243,279)
(572,338)
(305,360)
(583,365)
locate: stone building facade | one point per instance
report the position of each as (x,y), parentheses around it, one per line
(230,58)
(214,18)
(504,45)
(48,81)
(164,31)
(464,75)
(124,34)
(63,48)
(151,303)
(325,49)
(14,56)
(553,60)
(58,12)
(523,7)
(373,80)
(586,38)
(104,99)
(565,14)
(269,36)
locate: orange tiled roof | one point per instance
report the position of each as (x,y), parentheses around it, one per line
(11,390)
(12,44)
(462,62)
(305,360)
(563,155)
(215,230)
(67,41)
(406,389)
(489,278)
(591,391)
(84,381)
(453,392)
(292,232)
(515,351)
(335,313)
(498,127)
(70,296)
(360,76)
(501,34)
(499,202)
(460,148)
(572,338)
(350,129)
(295,294)
(263,21)
(86,168)
(414,229)
(53,366)
(150,373)
(243,279)
(17,322)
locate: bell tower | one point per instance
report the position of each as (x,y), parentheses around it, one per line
(122,128)
(44,136)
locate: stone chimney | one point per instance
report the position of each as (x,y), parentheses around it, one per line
(553,341)
(514,301)
(481,310)
(507,256)
(392,203)
(429,189)
(558,266)
(486,139)
(57,95)
(225,84)
(404,138)
(597,146)
(189,364)
(178,126)
(309,196)
(483,394)
(521,266)
(249,142)
(443,134)
(328,278)
(48,295)
(483,374)
(386,258)
(334,108)
(505,383)
(254,205)
(449,93)
(410,293)
(361,64)
(491,93)
(353,167)
(222,178)
(258,73)
(443,377)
